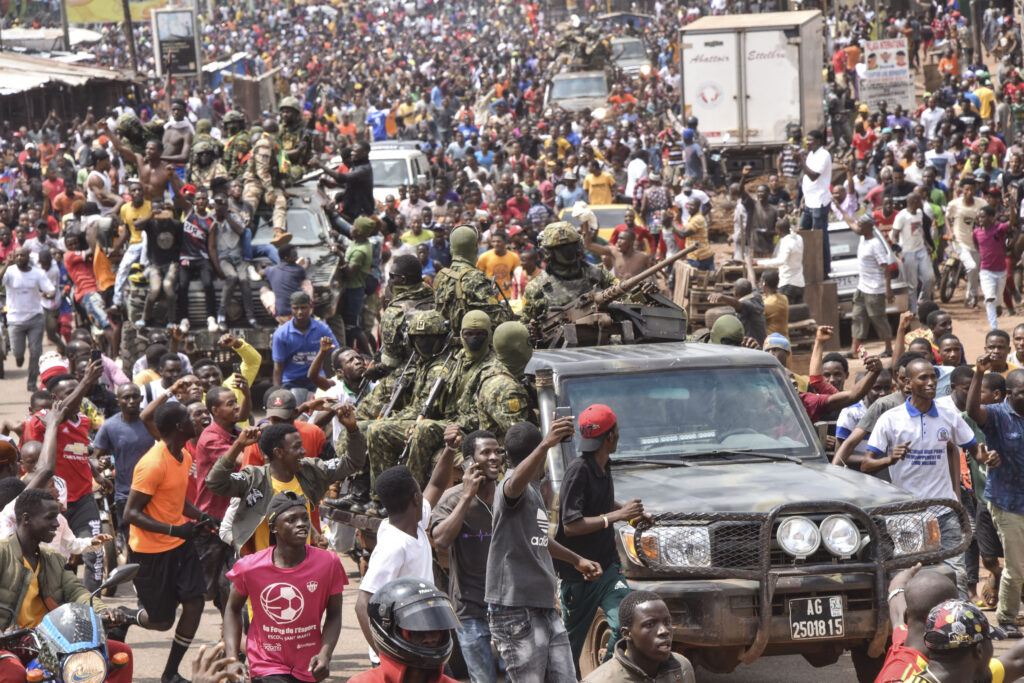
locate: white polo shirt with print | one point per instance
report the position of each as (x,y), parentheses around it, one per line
(925,469)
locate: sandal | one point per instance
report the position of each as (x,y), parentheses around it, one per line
(989,598)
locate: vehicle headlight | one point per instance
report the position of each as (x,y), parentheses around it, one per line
(645,69)
(798,536)
(85,667)
(912,534)
(840,535)
(672,546)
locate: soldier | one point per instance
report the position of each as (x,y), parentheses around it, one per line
(567,275)
(237,145)
(503,399)
(294,139)
(474,358)
(405,278)
(203,128)
(386,437)
(205,164)
(134,136)
(264,180)
(462,287)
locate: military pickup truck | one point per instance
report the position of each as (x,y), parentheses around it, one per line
(310,225)
(758,545)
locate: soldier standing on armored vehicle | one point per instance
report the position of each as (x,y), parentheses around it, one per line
(265,178)
(295,140)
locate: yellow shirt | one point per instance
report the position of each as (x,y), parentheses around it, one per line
(699,225)
(129,214)
(599,188)
(776,314)
(262,536)
(146,376)
(500,268)
(32,609)
(988,99)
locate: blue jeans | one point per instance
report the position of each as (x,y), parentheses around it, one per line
(249,252)
(135,253)
(702,263)
(533,643)
(949,537)
(817,219)
(475,642)
(917,266)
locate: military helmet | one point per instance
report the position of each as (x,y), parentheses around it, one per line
(203,146)
(290,103)
(559,233)
(427,323)
(234,116)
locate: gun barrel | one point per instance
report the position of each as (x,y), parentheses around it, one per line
(624,286)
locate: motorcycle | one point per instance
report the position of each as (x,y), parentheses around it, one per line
(951,272)
(70,645)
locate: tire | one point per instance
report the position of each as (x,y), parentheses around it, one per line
(595,644)
(950,279)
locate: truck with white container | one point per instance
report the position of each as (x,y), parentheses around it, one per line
(748,78)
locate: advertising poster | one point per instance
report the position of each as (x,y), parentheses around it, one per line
(887,76)
(176,42)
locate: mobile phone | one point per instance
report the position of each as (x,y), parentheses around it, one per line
(236,369)
(96,354)
(560,412)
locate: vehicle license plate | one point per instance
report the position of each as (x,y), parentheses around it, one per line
(812,618)
(847,281)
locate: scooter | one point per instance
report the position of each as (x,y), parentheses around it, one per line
(70,645)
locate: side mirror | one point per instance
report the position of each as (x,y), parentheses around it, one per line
(122,574)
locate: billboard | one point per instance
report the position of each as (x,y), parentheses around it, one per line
(106,11)
(887,76)
(176,42)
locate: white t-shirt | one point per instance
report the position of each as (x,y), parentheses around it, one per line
(872,258)
(924,471)
(25,291)
(818,193)
(398,555)
(862,187)
(682,198)
(909,227)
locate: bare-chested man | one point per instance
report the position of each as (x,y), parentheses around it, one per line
(178,133)
(156,175)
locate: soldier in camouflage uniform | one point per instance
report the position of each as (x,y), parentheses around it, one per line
(405,278)
(502,398)
(264,180)
(237,145)
(462,287)
(567,275)
(203,128)
(428,334)
(294,140)
(205,165)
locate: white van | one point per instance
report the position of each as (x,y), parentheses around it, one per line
(397,163)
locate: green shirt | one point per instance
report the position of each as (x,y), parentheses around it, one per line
(359,254)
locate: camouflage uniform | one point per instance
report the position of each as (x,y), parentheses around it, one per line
(203,128)
(463,287)
(549,289)
(263,179)
(291,138)
(134,136)
(407,301)
(502,400)
(237,146)
(202,177)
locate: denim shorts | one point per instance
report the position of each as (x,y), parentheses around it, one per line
(96,309)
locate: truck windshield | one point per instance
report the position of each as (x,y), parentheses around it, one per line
(842,244)
(390,172)
(700,411)
(571,88)
(631,49)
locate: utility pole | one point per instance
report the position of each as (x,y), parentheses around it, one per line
(64,25)
(129,33)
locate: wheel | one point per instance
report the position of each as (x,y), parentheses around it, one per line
(950,279)
(595,644)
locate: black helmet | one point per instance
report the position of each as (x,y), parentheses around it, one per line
(413,605)
(691,122)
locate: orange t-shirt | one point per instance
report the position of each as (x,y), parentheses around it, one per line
(313,440)
(160,475)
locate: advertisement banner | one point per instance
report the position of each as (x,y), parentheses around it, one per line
(176,42)
(105,11)
(888,75)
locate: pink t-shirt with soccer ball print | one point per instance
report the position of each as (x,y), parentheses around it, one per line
(287,609)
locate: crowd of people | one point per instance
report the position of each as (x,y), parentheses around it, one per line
(408,402)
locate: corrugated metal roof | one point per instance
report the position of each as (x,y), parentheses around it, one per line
(748,21)
(19,73)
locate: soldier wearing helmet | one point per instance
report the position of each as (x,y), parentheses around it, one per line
(429,336)
(238,143)
(462,287)
(294,140)
(566,276)
(205,164)
(264,172)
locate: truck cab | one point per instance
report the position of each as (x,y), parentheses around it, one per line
(397,163)
(758,545)
(578,90)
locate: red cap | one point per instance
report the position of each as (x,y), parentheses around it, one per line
(595,421)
